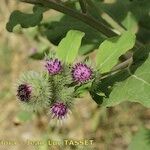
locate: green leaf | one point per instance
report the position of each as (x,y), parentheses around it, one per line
(55,28)
(39,55)
(135,89)
(111,49)
(140,141)
(130,22)
(68,47)
(80,90)
(120,9)
(96,97)
(24,19)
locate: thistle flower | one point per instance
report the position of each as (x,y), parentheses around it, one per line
(53,66)
(81,73)
(34,91)
(24,92)
(59,110)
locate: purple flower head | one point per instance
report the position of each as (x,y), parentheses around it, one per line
(53,66)
(59,110)
(81,73)
(24,92)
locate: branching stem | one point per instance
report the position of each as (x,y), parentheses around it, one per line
(73,13)
(97,25)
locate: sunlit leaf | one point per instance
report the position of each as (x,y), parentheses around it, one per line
(130,22)
(68,47)
(111,49)
(55,30)
(135,89)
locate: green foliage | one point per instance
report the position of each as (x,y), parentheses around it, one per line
(135,89)
(111,49)
(55,30)
(130,22)
(139,8)
(25,20)
(80,90)
(39,55)
(68,47)
(141,140)
(107,88)
(128,84)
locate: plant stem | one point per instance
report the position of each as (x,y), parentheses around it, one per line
(80,16)
(105,17)
(83,5)
(123,65)
(83,17)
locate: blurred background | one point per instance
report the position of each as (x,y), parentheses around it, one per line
(110,128)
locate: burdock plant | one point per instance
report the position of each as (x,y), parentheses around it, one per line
(115,39)
(64,78)
(120,61)
(115,75)
(53,90)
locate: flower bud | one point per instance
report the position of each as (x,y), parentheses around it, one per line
(59,110)
(24,92)
(34,91)
(81,73)
(53,66)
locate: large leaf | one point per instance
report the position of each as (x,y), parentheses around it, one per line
(24,19)
(135,89)
(139,9)
(111,49)
(103,87)
(55,30)
(130,22)
(68,47)
(141,140)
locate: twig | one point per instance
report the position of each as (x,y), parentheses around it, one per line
(119,67)
(123,64)
(83,5)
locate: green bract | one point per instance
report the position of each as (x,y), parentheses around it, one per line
(41,90)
